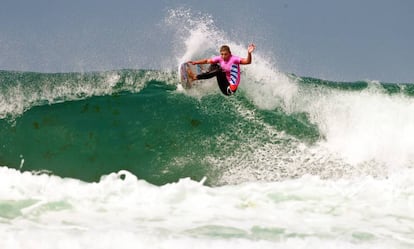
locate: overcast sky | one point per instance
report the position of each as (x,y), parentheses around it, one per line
(345,40)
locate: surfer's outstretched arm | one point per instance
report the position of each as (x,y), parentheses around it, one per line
(248,59)
(202,61)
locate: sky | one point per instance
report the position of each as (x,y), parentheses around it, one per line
(335,40)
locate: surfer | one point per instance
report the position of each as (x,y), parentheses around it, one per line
(226,68)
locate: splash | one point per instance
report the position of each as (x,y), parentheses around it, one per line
(196,35)
(366,125)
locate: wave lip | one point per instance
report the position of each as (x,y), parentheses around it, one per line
(20,91)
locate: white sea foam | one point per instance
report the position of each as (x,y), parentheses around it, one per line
(367,125)
(43,211)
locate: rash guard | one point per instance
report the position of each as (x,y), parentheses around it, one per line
(231,68)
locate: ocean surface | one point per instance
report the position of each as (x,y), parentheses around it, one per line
(130,159)
(127,158)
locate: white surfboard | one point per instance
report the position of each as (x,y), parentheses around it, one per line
(185,67)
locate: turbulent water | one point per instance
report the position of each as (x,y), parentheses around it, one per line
(129,159)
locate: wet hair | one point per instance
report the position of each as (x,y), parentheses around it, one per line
(225,48)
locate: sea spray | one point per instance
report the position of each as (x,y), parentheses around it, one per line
(365,125)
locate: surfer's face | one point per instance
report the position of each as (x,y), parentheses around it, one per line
(225,55)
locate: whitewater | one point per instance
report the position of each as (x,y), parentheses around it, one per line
(130,159)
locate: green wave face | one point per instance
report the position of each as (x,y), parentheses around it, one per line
(85,125)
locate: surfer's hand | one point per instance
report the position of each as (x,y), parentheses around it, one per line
(251,48)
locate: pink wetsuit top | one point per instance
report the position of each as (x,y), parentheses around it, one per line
(231,68)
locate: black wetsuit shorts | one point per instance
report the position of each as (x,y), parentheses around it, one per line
(215,70)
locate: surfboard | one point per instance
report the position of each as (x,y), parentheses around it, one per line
(185,79)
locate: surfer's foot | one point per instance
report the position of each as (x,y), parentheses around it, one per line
(191,75)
